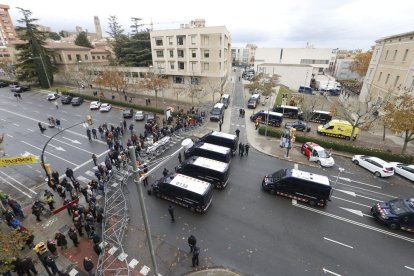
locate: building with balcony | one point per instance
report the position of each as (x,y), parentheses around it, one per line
(391,69)
(7,34)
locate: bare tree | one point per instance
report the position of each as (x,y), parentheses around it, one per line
(8,70)
(155,82)
(216,86)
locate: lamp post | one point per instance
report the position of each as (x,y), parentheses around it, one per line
(339,173)
(44,68)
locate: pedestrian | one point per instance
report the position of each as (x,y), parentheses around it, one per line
(192,241)
(126,97)
(94,158)
(52,247)
(61,240)
(131,128)
(58,124)
(165,172)
(196,252)
(37,209)
(88,133)
(69,173)
(17,264)
(55,176)
(171,212)
(240,147)
(42,129)
(73,236)
(16,207)
(145,181)
(220,124)
(17,97)
(48,196)
(256,124)
(57,105)
(94,133)
(237,133)
(76,186)
(179,157)
(95,238)
(88,266)
(78,225)
(97,248)
(124,123)
(50,262)
(27,265)
(66,202)
(242,151)
(247,147)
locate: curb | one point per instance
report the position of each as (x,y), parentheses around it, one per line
(216,271)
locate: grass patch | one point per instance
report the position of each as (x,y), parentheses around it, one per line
(283,90)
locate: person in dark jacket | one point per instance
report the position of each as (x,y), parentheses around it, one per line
(27,265)
(247,147)
(73,236)
(52,247)
(196,252)
(165,172)
(171,211)
(50,262)
(69,173)
(192,241)
(97,248)
(61,241)
(88,266)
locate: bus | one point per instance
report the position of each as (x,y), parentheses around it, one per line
(184,190)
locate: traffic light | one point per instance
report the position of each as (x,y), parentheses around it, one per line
(89,120)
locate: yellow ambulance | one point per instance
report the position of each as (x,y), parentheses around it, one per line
(338,128)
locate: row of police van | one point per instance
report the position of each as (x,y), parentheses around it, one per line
(206,167)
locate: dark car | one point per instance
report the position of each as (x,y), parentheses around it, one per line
(3,84)
(298,125)
(151,118)
(396,214)
(77,101)
(66,99)
(20,88)
(127,113)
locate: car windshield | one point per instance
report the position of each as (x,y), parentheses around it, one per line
(326,125)
(276,176)
(215,111)
(324,154)
(398,207)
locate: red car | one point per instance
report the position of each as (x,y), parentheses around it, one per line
(317,154)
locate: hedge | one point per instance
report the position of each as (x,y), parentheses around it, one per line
(343,147)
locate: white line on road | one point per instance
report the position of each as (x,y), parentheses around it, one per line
(8,135)
(83,179)
(351,201)
(410,268)
(30,130)
(89,173)
(18,182)
(355,223)
(60,141)
(16,124)
(296,166)
(366,190)
(8,183)
(63,111)
(350,180)
(50,153)
(35,111)
(62,119)
(337,242)
(330,272)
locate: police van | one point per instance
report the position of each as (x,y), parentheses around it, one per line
(217,113)
(208,150)
(222,139)
(319,116)
(308,187)
(212,171)
(225,99)
(184,190)
(273,118)
(253,101)
(288,111)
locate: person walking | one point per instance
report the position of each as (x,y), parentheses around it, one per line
(19,95)
(247,147)
(88,133)
(256,124)
(171,212)
(55,176)
(57,105)
(220,124)
(88,266)
(196,253)
(101,131)
(165,172)
(94,158)
(192,241)
(48,196)
(73,236)
(240,147)
(124,123)
(145,181)
(69,173)
(237,133)
(42,129)
(94,133)
(61,240)
(179,157)
(58,124)
(52,247)
(37,209)
(242,150)
(97,248)
(50,262)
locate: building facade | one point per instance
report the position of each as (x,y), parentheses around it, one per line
(342,71)
(240,56)
(193,54)
(8,34)
(290,75)
(391,69)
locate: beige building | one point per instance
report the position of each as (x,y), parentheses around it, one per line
(192,54)
(391,68)
(7,34)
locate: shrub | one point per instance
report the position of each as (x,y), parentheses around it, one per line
(343,147)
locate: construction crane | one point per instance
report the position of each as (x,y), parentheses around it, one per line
(151,24)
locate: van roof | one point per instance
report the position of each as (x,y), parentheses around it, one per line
(340,122)
(224,135)
(321,179)
(225,96)
(289,106)
(211,147)
(272,113)
(322,112)
(218,105)
(190,183)
(210,164)
(254,96)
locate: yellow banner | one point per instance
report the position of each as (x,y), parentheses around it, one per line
(18,160)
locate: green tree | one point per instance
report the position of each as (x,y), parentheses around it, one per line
(116,33)
(34,59)
(54,35)
(11,244)
(82,40)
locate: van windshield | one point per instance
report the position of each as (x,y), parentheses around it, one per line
(326,125)
(398,207)
(276,176)
(324,154)
(216,111)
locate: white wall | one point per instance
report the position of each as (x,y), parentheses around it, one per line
(292,76)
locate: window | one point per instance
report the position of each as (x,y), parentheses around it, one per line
(219,65)
(86,57)
(172,65)
(206,53)
(397,78)
(160,53)
(69,57)
(206,40)
(193,66)
(93,57)
(60,57)
(170,40)
(103,57)
(99,57)
(386,55)
(388,77)
(219,53)
(178,79)
(78,57)
(193,40)
(158,41)
(193,53)
(195,80)
(180,40)
(206,66)
(180,53)
(405,55)
(181,65)
(135,74)
(395,55)
(171,53)
(379,77)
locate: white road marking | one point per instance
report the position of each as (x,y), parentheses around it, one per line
(351,201)
(133,263)
(356,212)
(50,153)
(366,190)
(89,173)
(8,135)
(18,182)
(30,130)
(356,195)
(62,119)
(337,242)
(83,179)
(63,111)
(16,124)
(410,268)
(35,111)
(56,147)
(3,119)
(354,223)
(73,146)
(73,141)
(350,180)
(330,272)
(144,270)
(10,184)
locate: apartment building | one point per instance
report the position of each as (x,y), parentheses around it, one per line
(391,69)
(7,33)
(192,54)
(240,56)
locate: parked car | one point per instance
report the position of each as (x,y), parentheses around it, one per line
(375,165)
(139,116)
(77,101)
(396,214)
(128,113)
(317,154)
(151,117)
(298,125)
(13,84)
(20,88)
(66,99)
(3,84)
(105,107)
(94,105)
(52,96)
(404,170)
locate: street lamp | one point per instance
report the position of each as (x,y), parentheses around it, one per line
(44,68)
(339,173)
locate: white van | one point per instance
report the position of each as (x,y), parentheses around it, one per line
(225,99)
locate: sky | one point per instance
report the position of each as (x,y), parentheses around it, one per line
(343,24)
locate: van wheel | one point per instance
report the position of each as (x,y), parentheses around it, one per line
(356,162)
(347,138)
(378,174)
(394,226)
(312,203)
(319,163)
(157,194)
(323,134)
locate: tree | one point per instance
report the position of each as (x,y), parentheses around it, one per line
(154,81)
(361,62)
(262,83)
(216,86)
(11,244)
(135,24)
(84,74)
(54,36)
(82,40)
(399,117)
(116,33)
(9,70)
(34,59)
(113,79)
(194,90)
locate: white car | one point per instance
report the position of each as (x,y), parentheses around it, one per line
(105,107)
(95,105)
(139,116)
(375,165)
(52,96)
(404,170)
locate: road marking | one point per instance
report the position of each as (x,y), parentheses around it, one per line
(144,270)
(83,179)
(15,124)
(133,263)
(55,147)
(410,268)
(30,130)
(63,111)
(8,135)
(73,146)
(366,190)
(356,212)
(350,180)
(356,195)
(35,111)
(73,141)
(50,153)
(296,166)
(10,184)
(63,119)
(355,223)
(18,182)
(351,201)
(330,272)
(89,173)
(337,242)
